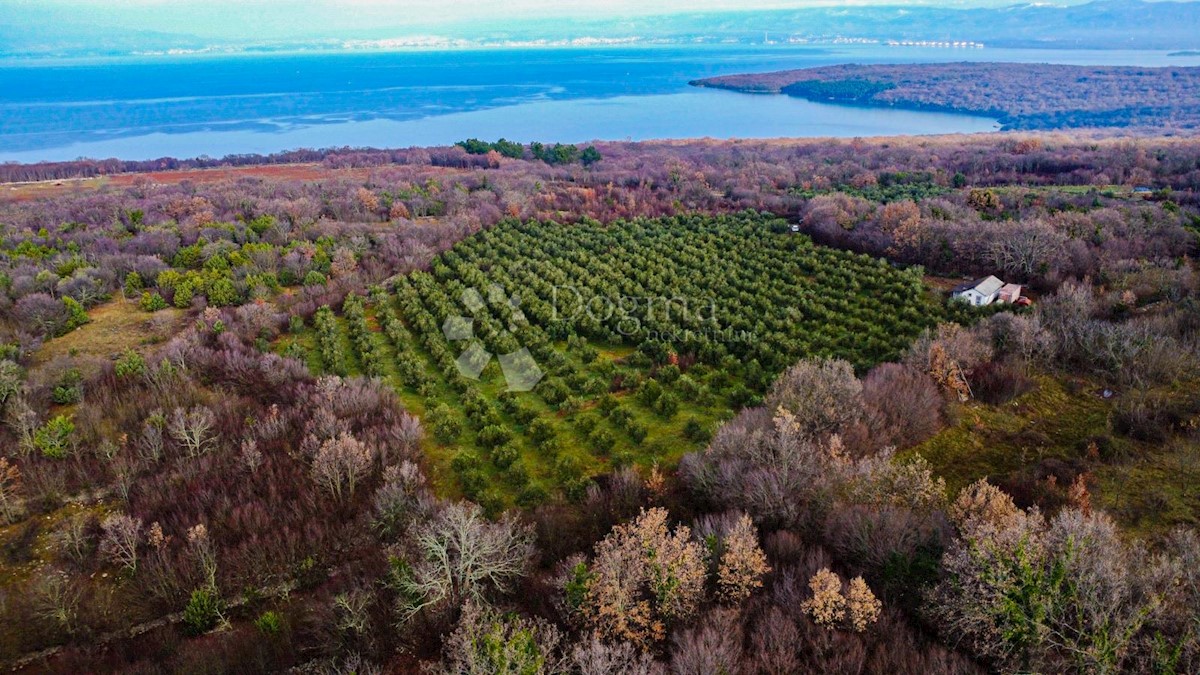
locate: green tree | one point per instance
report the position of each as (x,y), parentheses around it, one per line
(223,293)
(152,302)
(76,314)
(133,284)
(203,611)
(590,155)
(54,438)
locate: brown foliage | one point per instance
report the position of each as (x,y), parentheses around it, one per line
(643,578)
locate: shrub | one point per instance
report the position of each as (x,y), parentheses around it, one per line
(1144,416)
(76,314)
(54,438)
(637,432)
(69,389)
(541,431)
(133,284)
(152,302)
(131,364)
(493,436)
(602,441)
(998,382)
(203,611)
(269,623)
(184,292)
(504,456)
(695,431)
(443,424)
(667,405)
(487,642)
(222,293)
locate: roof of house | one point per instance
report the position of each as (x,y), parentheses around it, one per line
(1011,289)
(985,286)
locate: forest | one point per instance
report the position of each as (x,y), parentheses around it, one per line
(690,407)
(1021,96)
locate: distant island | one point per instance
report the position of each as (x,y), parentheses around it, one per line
(1021,96)
(1186,52)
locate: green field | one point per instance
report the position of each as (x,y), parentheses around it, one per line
(646,335)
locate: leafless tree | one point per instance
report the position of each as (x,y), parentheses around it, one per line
(10,487)
(823,395)
(903,406)
(596,657)
(713,646)
(459,556)
(122,536)
(1028,249)
(57,599)
(194,429)
(340,464)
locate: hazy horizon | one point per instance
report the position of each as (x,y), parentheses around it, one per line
(280,19)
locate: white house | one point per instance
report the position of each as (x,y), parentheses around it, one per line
(979,293)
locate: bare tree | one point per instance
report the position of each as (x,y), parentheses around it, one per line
(151,443)
(57,599)
(460,556)
(596,657)
(1028,249)
(10,486)
(122,535)
(775,644)
(340,464)
(194,429)
(714,646)
(823,395)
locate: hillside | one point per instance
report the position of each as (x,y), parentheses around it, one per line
(422,409)
(1021,96)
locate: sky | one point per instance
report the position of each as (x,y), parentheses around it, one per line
(270,19)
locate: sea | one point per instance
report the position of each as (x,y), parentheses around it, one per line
(146,107)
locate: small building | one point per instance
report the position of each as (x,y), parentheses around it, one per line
(979,293)
(1010,294)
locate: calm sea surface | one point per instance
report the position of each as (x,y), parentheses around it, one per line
(206,105)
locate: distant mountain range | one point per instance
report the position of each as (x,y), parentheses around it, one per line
(1105,24)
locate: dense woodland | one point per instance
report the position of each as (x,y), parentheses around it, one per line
(1022,96)
(239,432)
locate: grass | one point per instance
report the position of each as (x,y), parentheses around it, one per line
(114,327)
(1148,487)
(27,546)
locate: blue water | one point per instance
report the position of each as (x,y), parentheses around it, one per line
(191,106)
